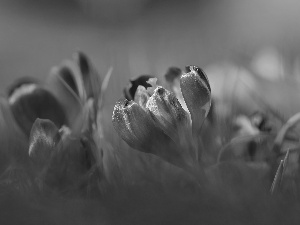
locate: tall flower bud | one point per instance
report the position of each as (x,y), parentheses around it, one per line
(167,111)
(197,94)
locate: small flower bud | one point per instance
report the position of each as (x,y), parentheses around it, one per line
(197,94)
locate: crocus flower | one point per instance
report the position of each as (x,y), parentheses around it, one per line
(134,125)
(49,122)
(140,131)
(143,127)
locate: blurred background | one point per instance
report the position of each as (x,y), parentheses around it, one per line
(145,36)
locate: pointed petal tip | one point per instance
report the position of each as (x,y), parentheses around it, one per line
(44,136)
(196,92)
(191,69)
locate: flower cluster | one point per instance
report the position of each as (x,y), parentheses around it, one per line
(155,121)
(53,142)
(49,122)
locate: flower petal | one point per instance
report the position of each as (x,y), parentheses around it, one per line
(30,102)
(91,79)
(131,121)
(141,96)
(43,139)
(19,82)
(67,96)
(166,109)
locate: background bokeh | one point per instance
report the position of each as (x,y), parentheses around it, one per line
(141,36)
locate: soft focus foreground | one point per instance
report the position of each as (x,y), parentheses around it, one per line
(182,145)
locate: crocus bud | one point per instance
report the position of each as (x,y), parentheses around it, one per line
(139,130)
(133,124)
(43,139)
(68,90)
(30,102)
(197,94)
(167,111)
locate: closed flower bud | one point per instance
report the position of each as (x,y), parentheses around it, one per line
(197,94)
(43,139)
(30,102)
(167,111)
(139,130)
(133,124)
